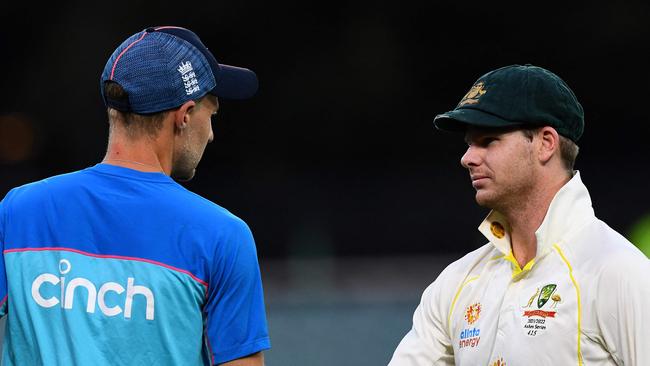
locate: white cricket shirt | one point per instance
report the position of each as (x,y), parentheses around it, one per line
(583,300)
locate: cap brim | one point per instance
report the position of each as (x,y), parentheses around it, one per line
(235,83)
(459,119)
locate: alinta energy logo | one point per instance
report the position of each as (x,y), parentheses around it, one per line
(471,336)
(95,297)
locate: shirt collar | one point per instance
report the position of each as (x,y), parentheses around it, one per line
(116,170)
(570,207)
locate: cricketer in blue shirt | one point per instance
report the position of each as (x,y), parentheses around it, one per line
(118,264)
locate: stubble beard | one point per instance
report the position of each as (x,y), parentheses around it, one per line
(183,175)
(185,163)
(510,195)
(503,199)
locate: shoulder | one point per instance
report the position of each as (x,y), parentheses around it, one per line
(460,271)
(205,211)
(619,273)
(439,297)
(601,248)
(222,233)
(48,186)
(623,263)
(603,257)
(471,263)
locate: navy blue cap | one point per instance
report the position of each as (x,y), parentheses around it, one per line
(161,68)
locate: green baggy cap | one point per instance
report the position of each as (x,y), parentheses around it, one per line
(517,95)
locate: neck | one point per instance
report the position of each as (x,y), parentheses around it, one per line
(527,216)
(138,155)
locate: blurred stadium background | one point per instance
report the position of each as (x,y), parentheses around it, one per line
(355,201)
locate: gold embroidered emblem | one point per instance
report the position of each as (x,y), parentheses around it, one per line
(556,299)
(473,94)
(497,230)
(472,313)
(499,362)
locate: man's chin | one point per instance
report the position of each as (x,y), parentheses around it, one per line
(483,199)
(183,176)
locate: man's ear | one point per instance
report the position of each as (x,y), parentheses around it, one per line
(182,115)
(549,143)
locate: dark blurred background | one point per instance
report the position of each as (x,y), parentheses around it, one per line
(339,142)
(336,157)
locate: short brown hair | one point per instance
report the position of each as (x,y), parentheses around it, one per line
(569,152)
(568,149)
(136,124)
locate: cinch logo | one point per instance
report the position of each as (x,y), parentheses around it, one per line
(94,297)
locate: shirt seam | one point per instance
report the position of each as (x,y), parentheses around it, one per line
(453,303)
(579,303)
(156,263)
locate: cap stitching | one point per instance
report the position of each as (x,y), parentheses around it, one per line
(122,53)
(169,27)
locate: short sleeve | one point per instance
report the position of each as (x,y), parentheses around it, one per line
(3,274)
(235,314)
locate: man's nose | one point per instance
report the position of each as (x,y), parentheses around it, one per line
(470,158)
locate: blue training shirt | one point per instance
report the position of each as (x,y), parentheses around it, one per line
(112,266)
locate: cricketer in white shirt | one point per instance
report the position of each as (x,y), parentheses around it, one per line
(583,300)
